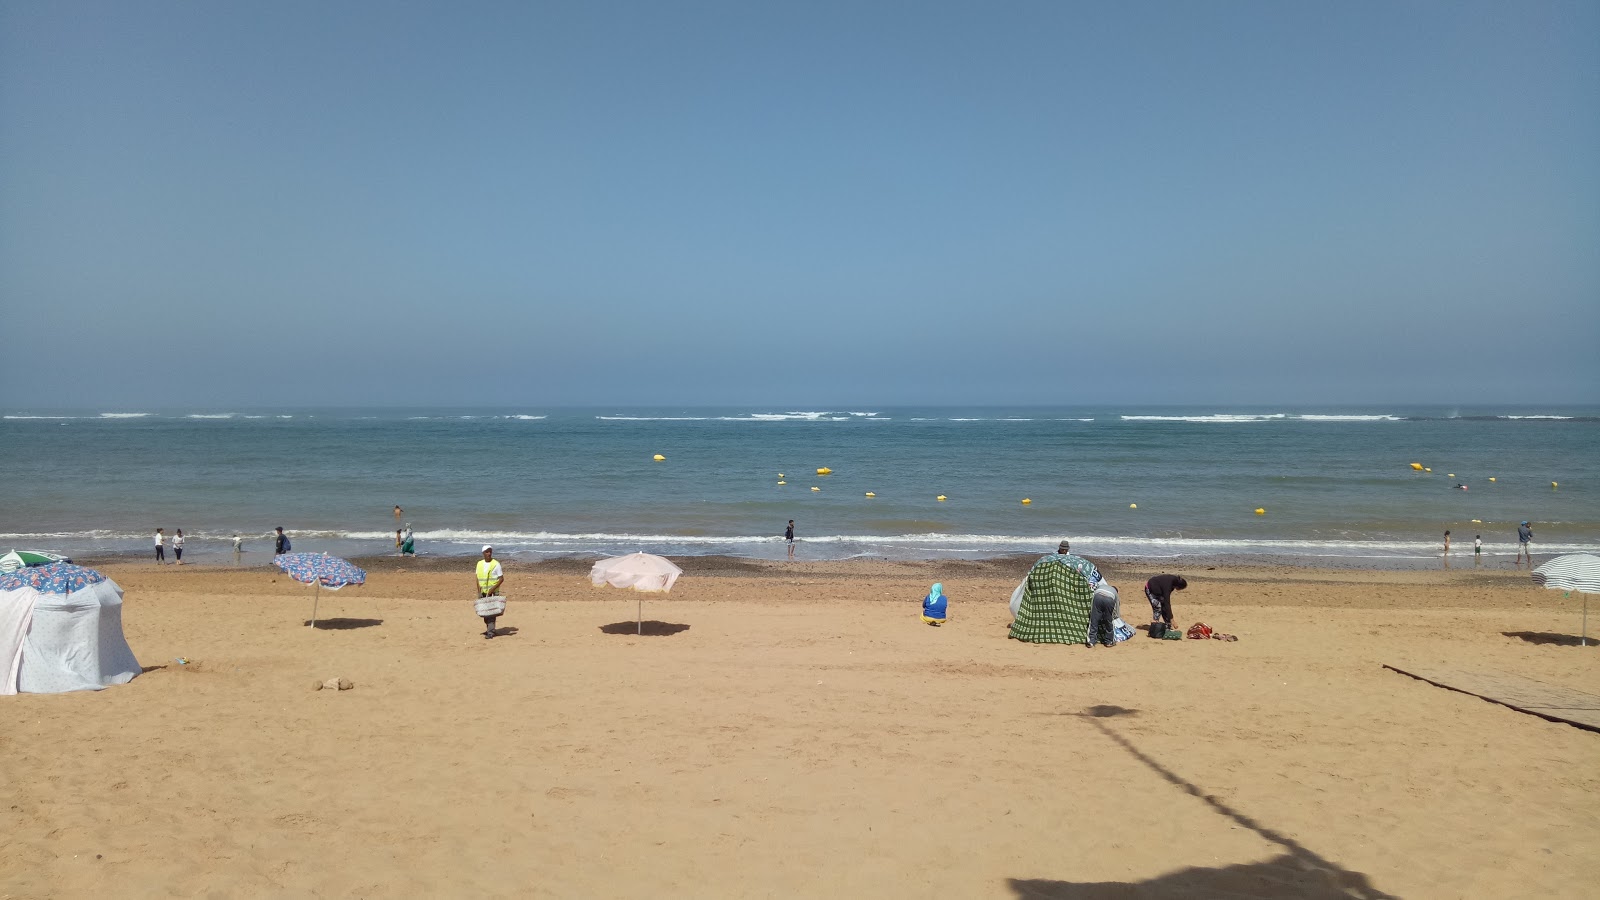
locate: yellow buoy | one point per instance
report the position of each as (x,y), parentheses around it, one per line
(780,475)
(783,482)
(1427,470)
(1477,521)
(1026,501)
(1417,466)
(871,494)
(1491,477)
(940,498)
(1261,510)
(1450,475)
(660,458)
(814,488)
(1553,484)
(824,471)
(1133,506)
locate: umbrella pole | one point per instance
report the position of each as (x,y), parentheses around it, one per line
(314,598)
(641,615)
(1584,642)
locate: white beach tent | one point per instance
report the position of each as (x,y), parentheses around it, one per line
(61,630)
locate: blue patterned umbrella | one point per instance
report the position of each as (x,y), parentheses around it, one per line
(319,569)
(56,578)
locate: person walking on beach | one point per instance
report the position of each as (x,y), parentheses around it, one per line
(788,536)
(490,576)
(280,543)
(408,543)
(1524,538)
(1158,591)
(161,547)
(1447,548)
(177,546)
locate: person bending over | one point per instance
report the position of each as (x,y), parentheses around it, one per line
(1158,591)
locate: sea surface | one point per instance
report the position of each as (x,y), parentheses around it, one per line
(1336,485)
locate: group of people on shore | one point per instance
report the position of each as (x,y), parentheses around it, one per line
(161,547)
(1524,546)
(1105,609)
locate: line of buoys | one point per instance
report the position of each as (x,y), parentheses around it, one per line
(824,471)
(1417,466)
(1261,510)
(660,458)
(941,498)
(871,494)
(1026,501)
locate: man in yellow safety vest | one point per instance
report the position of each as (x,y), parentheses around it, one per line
(490,576)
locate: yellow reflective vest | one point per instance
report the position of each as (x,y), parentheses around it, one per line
(489,571)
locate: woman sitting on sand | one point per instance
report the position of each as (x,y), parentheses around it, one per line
(935,606)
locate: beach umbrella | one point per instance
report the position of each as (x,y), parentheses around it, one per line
(18,559)
(319,569)
(640,571)
(1573,572)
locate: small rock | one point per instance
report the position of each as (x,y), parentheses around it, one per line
(332,684)
(345,684)
(316,685)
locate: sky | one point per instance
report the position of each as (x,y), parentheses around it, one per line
(704,203)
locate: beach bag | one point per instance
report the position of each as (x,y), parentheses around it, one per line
(1172,634)
(1158,630)
(492,605)
(1199,631)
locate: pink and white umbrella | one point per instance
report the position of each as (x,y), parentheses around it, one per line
(640,571)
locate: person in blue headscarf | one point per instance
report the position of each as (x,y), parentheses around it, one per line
(935,606)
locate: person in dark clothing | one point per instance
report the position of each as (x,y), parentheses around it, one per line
(280,543)
(1158,591)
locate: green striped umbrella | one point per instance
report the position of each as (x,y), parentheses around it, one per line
(18,559)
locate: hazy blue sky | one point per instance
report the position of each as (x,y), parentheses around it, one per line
(249,203)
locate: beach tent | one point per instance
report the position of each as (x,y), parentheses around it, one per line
(61,630)
(1056,598)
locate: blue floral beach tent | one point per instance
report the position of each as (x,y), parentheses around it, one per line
(1056,599)
(61,630)
(321,570)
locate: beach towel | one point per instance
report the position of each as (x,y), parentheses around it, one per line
(1055,601)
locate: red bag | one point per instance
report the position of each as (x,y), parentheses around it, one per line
(1199,631)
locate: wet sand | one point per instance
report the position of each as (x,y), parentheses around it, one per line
(794,730)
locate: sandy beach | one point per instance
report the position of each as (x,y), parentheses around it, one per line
(795,730)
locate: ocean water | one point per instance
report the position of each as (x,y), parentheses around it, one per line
(1336,484)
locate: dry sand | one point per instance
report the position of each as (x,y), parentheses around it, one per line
(795,730)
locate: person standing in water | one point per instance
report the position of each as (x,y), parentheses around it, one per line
(1447,548)
(788,536)
(161,547)
(1524,538)
(177,546)
(1477,550)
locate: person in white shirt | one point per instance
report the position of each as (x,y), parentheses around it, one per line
(161,547)
(177,546)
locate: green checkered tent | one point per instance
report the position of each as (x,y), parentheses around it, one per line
(1055,601)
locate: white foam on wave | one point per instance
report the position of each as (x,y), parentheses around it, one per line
(654,418)
(1216,417)
(139,415)
(522,418)
(1558,418)
(1349,418)
(42,417)
(211,415)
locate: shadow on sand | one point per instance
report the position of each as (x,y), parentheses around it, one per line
(1296,872)
(1548,637)
(344,624)
(650,627)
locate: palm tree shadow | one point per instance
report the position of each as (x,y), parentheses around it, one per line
(648,628)
(1296,872)
(1548,637)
